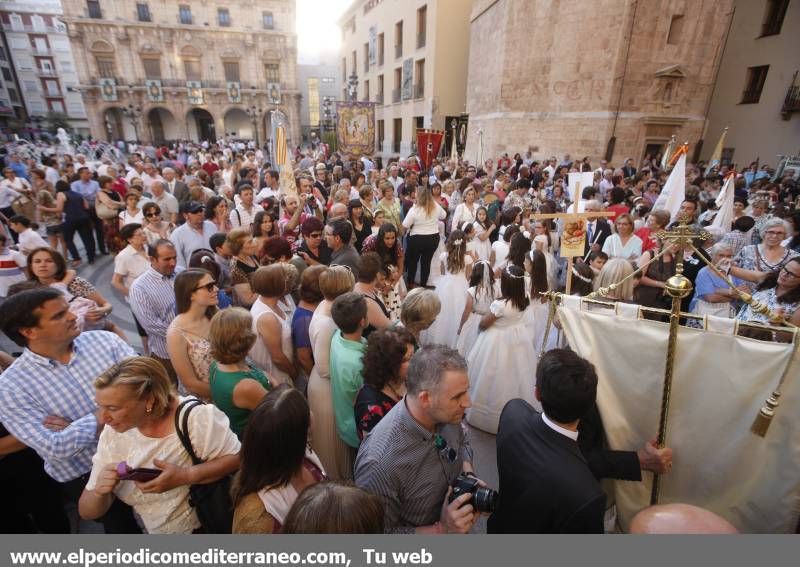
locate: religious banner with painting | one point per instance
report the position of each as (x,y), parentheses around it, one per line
(274,93)
(195,92)
(234,92)
(355,127)
(154,91)
(408,79)
(108,89)
(373,40)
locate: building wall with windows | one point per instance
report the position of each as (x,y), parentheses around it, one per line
(613,79)
(40,52)
(317,82)
(172,69)
(758,87)
(410,58)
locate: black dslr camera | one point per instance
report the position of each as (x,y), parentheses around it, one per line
(483,499)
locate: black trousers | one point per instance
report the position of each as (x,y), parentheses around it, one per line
(84,229)
(119,517)
(97,222)
(32,500)
(421,248)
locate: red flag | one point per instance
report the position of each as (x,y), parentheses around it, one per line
(429,142)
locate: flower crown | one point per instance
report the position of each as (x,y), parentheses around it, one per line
(509,274)
(580,277)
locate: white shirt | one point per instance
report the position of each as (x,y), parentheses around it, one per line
(168,512)
(558,429)
(29,240)
(421,223)
(265,193)
(241,217)
(149,179)
(130,264)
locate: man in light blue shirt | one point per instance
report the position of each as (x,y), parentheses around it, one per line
(194,234)
(47,394)
(87,188)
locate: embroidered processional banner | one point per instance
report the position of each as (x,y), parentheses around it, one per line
(355,128)
(720,383)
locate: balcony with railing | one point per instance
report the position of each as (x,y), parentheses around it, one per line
(791,103)
(395,95)
(379,98)
(421,37)
(31,29)
(398,51)
(46,72)
(419,90)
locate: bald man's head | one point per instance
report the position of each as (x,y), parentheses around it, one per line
(679,519)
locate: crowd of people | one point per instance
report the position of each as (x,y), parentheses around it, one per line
(321,347)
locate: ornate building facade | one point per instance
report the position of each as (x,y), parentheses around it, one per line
(160,70)
(613,79)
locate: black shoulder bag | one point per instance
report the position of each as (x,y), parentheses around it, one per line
(212,501)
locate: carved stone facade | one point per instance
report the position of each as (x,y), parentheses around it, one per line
(199,70)
(614,80)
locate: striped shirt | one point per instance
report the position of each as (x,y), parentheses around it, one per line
(152,299)
(400,463)
(35,387)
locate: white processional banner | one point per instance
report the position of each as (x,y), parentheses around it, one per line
(720,383)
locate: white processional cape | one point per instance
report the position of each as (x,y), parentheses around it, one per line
(720,382)
(674,191)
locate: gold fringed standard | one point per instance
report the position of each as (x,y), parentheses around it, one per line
(767,412)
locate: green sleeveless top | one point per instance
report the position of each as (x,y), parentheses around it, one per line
(222,386)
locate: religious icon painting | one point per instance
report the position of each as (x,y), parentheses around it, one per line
(108,89)
(154,90)
(234,92)
(195,92)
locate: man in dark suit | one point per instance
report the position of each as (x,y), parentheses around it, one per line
(546,485)
(175,186)
(597,229)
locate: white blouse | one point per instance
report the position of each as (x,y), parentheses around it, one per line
(421,223)
(168,512)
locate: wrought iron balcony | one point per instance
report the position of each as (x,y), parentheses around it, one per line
(395,95)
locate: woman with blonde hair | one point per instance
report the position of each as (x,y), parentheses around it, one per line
(613,272)
(237,386)
(624,244)
(422,223)
(418,312)
(333,452)
(137,404)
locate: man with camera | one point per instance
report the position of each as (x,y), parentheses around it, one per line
(546,485)
(418,458)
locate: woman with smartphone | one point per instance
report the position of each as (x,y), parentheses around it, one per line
(139,458)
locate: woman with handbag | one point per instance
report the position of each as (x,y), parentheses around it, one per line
(142,461)
(277,462)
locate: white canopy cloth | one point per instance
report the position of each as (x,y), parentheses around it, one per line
(720,382)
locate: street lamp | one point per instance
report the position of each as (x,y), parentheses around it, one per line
(255,113)
(352,84)
(133,113)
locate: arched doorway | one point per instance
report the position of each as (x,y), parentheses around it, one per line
(201,125)
(117,126)
(162,125)
(238,124)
